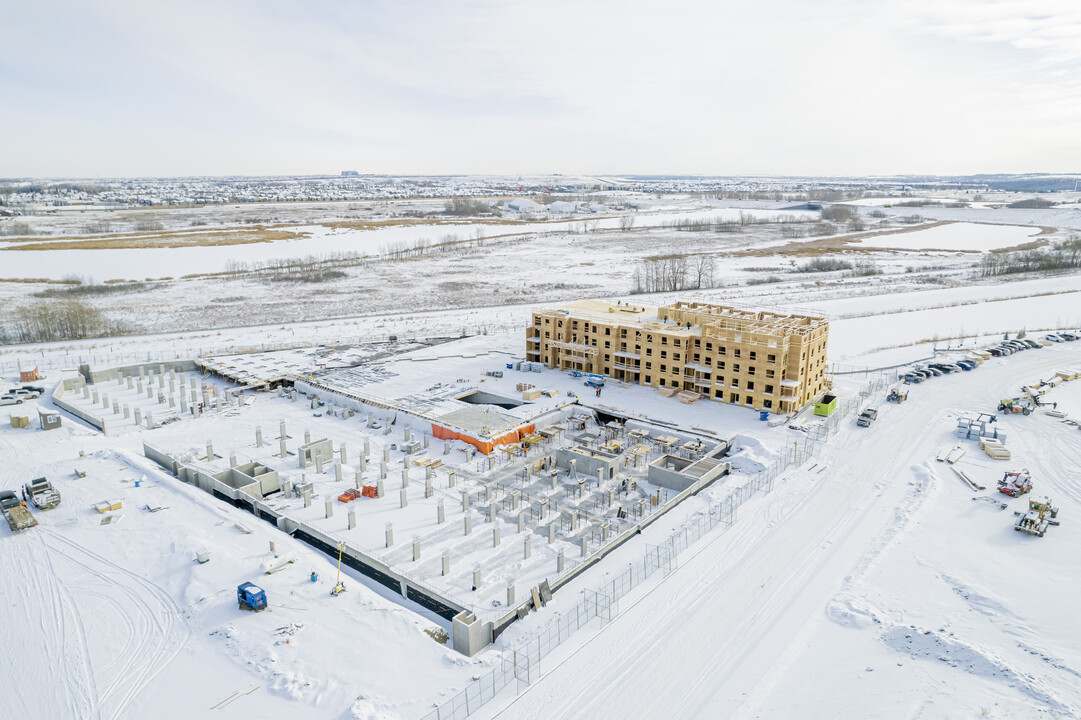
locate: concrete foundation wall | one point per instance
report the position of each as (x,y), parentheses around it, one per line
(96,376)
(68,385)
(587,462)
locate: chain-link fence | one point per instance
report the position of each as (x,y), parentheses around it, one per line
(520,665)
(45,361)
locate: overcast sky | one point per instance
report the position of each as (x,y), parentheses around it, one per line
(831,87)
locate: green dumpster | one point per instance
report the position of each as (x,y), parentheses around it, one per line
(826,405)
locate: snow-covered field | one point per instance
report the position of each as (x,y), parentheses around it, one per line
(871,582)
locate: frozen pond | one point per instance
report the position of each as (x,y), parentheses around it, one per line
(139,264)
(955,236)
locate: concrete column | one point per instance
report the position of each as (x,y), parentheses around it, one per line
(138,416)
(287,489)
(161,381)
(307,436)
(440,513)
(172,401)
(196,410)
(282,449)
(97,398)
(426,441)
(551,533)
(343,455)
(232,459)
(491,462)
(379,488)
(468,523)
(495,536)
(510,593)
(386,454)
(407,434)
(172,385)
(405,497)
(428,488)
(150,421)
(116,408)
(367,447)
(450,478)
(428,472)
(258,437)
(446,563)
(390,534)
(585,546)
(465,502)
(416,548)
(330,409)
(130,382)
(183,404)
(127,412)
(319,463)
(105,400)
(555,482)
(330,508)
(307,498)
(521,521)
(86,392)
(491,512)
(363,463)
(405,474)
(209,450)
(142,373)
(446,448)
(315,402)
(352,519)
(476,578)
(358,476)
(383,469)
(150,391)
(337,472)
(527,547)
(281,430)
(600,476)
(559,561)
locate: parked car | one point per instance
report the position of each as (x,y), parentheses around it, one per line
(1033,344)
(997,352)
(10,400)
(25,394)
(1016,344)
(913,378)
(1067,336)
(967,364)
(34,388)
(1053,338)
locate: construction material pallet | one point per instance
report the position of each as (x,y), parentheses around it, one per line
(994,449)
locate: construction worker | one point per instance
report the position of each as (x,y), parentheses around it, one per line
(598,391)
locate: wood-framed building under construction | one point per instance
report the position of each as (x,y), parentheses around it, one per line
(765,359)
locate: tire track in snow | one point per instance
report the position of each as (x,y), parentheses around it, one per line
(156,635)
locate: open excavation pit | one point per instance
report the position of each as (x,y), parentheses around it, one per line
(466,525)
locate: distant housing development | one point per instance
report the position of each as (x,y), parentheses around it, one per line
(767,360)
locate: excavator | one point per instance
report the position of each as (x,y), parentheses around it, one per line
(1015,484)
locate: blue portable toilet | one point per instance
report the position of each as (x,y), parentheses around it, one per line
(763,415)
(250,596)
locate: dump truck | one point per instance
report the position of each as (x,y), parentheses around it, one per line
(15,512)
(251,597)
(867,417)
(898,395)
(42,493)
(1038,518)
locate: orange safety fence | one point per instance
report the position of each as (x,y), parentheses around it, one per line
(484,446)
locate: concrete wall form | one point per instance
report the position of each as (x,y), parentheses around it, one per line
(351,556)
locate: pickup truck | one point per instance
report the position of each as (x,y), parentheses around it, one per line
(867,417)
(42,493)
(18,517)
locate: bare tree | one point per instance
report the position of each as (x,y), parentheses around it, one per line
(626,222)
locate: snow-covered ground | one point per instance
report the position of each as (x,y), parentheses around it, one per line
(870,583)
